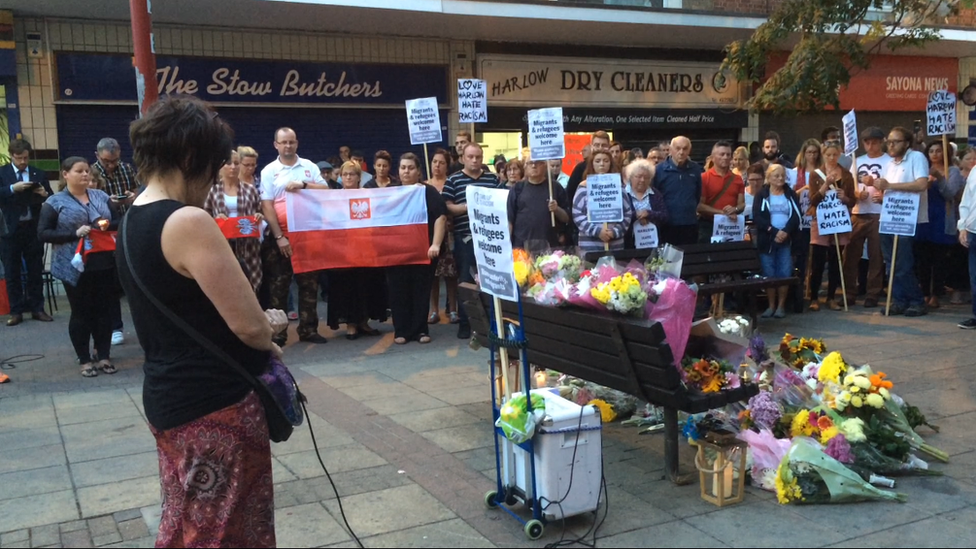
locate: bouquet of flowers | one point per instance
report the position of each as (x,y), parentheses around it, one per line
(808,475)
(559,263)
(710,375)
(525,273)
(798,352)
(623,294)
(735,325)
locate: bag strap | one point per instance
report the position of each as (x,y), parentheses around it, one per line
(179,322)
(728,183)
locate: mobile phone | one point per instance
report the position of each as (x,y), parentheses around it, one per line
(33,184)
(120,197)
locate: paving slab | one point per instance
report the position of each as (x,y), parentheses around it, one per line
(29,437)
(106,439)
(108,498)
(38,510)
(670,534)
(437,418)
(338,459)
(459,439)
(98,412)
(307,526)
(35,481)
(26,459)
(408,403)
(114,469)
(929,532)
(450,533)
(391,510)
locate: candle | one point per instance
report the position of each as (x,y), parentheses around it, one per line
(541,379)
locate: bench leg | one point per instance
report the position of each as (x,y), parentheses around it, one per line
(671,449)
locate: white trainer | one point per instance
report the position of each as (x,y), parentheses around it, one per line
(118,338)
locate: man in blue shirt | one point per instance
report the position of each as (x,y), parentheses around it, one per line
(679,180)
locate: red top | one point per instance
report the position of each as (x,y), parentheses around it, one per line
(712,185)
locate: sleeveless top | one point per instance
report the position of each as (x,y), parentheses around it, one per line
(183,381)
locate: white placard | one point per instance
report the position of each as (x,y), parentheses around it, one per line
(899,213)
(941,113)
(424,121)
(724,229)
(604,198)
(546,134)
(472,101)
(645,236)
(833,216)
(806,221)
(488,216)
(850,133)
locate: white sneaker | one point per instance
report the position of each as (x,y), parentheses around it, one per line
(118,338)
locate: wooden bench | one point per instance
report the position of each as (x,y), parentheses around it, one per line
(737,260)
(628,355)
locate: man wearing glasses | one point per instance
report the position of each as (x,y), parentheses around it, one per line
(908,171)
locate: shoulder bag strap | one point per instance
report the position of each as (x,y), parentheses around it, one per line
(179,322)
(728,183)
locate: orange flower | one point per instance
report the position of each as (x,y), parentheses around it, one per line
(824,423)
(520,255)
(878,381)
(713,385)
(536,278)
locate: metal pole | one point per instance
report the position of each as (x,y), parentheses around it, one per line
(144,60)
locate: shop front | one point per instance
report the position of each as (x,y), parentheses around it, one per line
(328,104)
(640,103)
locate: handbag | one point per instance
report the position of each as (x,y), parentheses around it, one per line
(282,399)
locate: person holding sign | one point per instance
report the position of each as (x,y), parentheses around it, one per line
(967,237)
(409,284)
(822,247)
(937,241)
(530,210)
(723,192)
(680,181)
(597,235)
(776,211)
(907,172)
(231,197)
(649,206)
(865,218)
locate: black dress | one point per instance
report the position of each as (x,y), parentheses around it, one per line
(357,295)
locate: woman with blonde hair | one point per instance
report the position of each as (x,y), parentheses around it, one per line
(740,162)
(808,160)
(776,213)
(249,167)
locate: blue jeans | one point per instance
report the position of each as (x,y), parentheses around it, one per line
(778,263)
(465,261)
(972,267)
(905,291)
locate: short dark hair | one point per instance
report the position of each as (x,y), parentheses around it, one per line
(180,133)
(413,158)
(19,146)
(70,162)
(773,136)
(357,154)
(465,133)
(617,144)
(757,169)
(722,143)
(381,155)
(442,152)
(827,131)
(905,134)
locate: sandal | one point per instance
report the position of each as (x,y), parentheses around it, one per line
(107,367)
(366,330)
(424,339)
(434,318)
(400,341)
(88,370)
(454,317)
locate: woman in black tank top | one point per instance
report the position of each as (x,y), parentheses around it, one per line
(210,427)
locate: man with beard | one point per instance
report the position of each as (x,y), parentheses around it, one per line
(771,152)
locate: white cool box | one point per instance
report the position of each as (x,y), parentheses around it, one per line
(554,441)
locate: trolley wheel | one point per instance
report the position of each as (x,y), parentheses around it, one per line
(533,529)
(510,498)
(491,500)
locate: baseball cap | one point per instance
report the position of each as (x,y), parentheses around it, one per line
(873,132)
(324,165)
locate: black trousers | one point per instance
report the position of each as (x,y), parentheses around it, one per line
(92,302)
(822,256)
(410,299)
(933,264)
(22,246)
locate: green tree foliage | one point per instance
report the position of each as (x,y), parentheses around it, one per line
(828,42)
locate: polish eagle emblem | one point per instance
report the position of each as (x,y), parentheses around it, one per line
(359,208)
(246,226)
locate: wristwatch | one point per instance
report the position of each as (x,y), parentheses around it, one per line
(304,184)
(280,237)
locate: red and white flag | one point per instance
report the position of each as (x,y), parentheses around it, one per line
(96,241)
(239,227)
(338,229)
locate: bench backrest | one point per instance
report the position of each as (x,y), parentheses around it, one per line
(701,259)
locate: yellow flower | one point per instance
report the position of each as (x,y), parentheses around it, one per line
(601,293)
(862,381)
(857,401)
(607,414)
(714,384)
(828,434)
(875,400)
(832,368)
(853,429)
(801,425)
(787,489)
(521,273)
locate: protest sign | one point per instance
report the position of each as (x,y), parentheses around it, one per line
(472,101)
(424,121)
(546,134)
(645,236)
(850,133)
(724,229)
(492,241)
(899,213)
(605,198)
(941,113)
(833,216)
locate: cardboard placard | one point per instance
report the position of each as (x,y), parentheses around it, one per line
(940,113)
(492,241)
(546,136)
(424,121)
(850,133)
(645,236)
(472,101)
(605,198)
(724,229)
(833,216)
(899,213)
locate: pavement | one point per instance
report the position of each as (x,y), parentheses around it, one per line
(405,432)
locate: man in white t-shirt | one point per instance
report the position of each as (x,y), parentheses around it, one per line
(288,174)
(907,171)
(865,217)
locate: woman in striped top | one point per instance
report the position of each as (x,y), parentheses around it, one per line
(597,236)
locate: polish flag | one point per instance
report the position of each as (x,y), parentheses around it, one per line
(337,229)
(96,241)
(239,227)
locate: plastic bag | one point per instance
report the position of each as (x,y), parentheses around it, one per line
(516,421)
(675,310)
(767,453)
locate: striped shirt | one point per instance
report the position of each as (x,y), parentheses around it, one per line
(455,190)
(122,180)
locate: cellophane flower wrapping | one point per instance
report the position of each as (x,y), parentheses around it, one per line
(767,453)
(808,475)
(516,421)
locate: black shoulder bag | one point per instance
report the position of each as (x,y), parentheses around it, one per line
(279,393)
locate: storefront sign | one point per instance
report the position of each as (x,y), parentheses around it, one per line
(583,119)
(108,77)
(850,133)
(833,216)
(472,101)
(492,241)
(604,198)
(546,134)
(726,229)
(941,113)
(540,81)
(899,213)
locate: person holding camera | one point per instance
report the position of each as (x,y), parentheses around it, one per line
(23,189)
(91,286)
